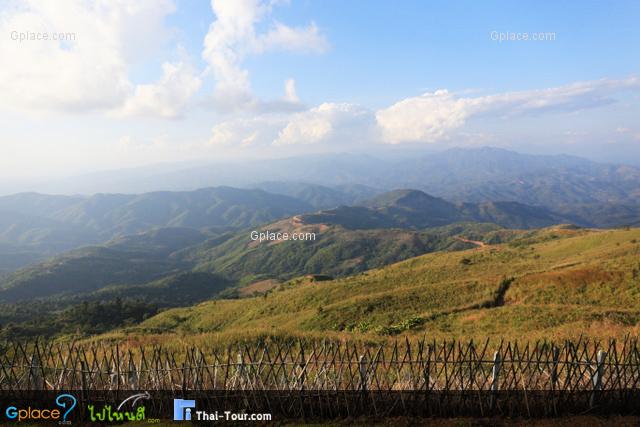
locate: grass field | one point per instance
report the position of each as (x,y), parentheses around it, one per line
(555,283)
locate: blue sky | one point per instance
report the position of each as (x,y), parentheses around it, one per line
(192,80)
(432,45)
(382,51)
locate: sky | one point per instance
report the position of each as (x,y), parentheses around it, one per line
(108,84)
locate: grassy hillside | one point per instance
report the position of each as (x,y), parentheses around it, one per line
(336,251)
(48,225)
(130,260)
(553,283)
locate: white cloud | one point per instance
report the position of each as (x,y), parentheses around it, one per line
(290,94)
(423,118)
(233,36)
(88,70)
(329,122)
(282,37)
(429,118)
(628,133)
(432,117)
(168,97)
(257,130)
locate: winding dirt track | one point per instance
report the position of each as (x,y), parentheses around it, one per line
(478,243)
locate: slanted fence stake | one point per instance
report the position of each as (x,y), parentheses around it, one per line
(495,373)
(363,374)
(597,376)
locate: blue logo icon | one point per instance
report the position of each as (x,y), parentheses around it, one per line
(68,402)
(182,409)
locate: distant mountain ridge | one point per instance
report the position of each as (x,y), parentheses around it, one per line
(414,209)
(51,224)
(320,196)
(387,228)
(457,174)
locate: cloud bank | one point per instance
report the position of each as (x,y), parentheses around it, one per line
(91,72)
(429,118)
(83,65)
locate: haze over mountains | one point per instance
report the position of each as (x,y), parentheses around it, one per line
(459,174)
(208,234)
(508,188)
(365,212)
(32,224)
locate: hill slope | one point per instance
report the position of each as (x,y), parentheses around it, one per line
(319,196)
(47,225)
(552,283)
(347,240)
(414,209)
(128,260)
(336,251)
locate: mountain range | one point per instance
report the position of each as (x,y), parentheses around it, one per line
(176,248)
(35,226)
(386,229)
(462,175)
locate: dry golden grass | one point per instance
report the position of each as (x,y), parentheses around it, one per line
(566,283)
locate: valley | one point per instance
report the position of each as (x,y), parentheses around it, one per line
(150,257)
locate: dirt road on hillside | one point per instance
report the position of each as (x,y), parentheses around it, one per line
(473,242)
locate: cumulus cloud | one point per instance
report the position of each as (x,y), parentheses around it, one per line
(432,117)
(88,68)
(282,37)
(329,122)
(423,118)
(290,94)
(428,118)
(233,36)
(83,65)
(254,131)
(166,98)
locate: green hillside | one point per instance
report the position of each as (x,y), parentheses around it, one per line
(337,251)
(552,283)
(415,210)
(319,196)
(129,260)
(347,240)
(46,225)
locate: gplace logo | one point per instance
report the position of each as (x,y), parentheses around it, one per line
(66,401)
(182,409)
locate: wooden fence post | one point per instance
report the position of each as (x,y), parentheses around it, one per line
(495,374)
(427,370)
(303,367)
(83,378)
(36,381)
(133,374)
(554,367)
(240,369)
(83,382)
(597,376)
(363,374)
(184,378)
